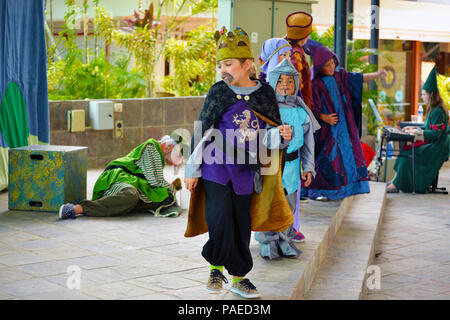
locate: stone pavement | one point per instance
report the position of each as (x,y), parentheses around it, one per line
(413,252)
(143,257)
(342,274)
(136,256)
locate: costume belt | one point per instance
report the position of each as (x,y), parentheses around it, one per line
(291,156)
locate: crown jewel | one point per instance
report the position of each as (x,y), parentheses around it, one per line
(233,44)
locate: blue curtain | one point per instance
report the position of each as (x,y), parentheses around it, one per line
(23,68)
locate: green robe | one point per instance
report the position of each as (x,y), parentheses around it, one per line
(428,158)
(134,176)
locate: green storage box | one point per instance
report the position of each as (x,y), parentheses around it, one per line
(43,177)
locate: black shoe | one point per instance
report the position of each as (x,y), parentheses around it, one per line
(215,281)
(245,289)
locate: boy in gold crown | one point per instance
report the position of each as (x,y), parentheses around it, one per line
(231,196)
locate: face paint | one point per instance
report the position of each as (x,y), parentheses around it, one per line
(233,72)
(286,85)
(228,78)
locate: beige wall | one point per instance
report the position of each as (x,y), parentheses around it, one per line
(142,119)
(399,20)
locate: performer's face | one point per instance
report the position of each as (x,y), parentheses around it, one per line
(285,55)
(172,154)
(302,42)
(286,85)
(233,72)
(425,97)
(328,68)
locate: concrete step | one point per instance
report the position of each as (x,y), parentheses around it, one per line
(291,278)
(344,270)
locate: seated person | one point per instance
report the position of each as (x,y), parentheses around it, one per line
(431,146)
(134,183)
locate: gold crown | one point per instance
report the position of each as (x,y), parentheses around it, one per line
(233,45)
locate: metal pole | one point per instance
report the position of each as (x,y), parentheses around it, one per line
(273,19)
(340,31)
(374,35)
(350,23)
(413,178)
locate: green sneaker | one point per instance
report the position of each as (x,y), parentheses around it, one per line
(215,281)
(245,289)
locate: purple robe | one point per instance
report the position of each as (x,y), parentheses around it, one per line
(220,166)
(340,164)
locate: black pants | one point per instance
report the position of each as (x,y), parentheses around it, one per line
(229,225)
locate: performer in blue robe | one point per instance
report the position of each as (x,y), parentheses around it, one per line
(339,158)
(298,159)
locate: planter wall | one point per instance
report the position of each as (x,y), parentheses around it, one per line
(142,119)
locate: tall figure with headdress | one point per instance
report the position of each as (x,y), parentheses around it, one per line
(337,102)
(232,193)
(298,31)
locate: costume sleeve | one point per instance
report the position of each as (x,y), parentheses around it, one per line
(355,81)
(193,167)
(436,127)
(273,140)
(307,150)
(151,164)
(317,100)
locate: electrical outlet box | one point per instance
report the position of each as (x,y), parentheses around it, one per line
(101,114)
(118,107)
(76,120)
(118,129)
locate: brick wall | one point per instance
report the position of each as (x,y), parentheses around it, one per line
(142,119)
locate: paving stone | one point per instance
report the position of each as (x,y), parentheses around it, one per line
(163,282)
(330,294)
(60,294)
(197,292)
(144,257)
(422,272)
(29,287)
(380,296)
(116,290)
(6,296)
(21,258)
(44,269)
(12,274)
(64,252)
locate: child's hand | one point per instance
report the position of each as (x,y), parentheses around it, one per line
(382,74)
(331,118)
(285,132)
(190,183)
(308,177)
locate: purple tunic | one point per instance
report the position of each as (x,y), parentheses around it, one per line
(240,127)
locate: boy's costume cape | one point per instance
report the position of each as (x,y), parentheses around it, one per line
(270,210)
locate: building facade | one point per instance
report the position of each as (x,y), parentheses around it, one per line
(414,36)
